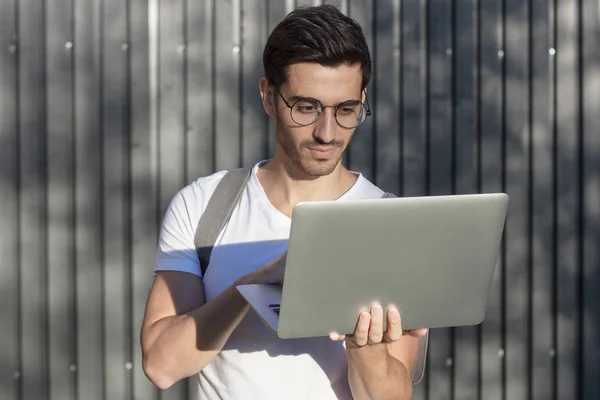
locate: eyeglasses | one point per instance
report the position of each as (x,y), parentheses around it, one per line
(307,110)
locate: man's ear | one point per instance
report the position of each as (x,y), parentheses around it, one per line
(267,94)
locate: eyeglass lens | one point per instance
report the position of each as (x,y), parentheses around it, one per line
(348,114)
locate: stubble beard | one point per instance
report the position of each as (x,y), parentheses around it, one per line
(310,166)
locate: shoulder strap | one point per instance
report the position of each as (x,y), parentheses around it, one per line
(418,370)
(218,211)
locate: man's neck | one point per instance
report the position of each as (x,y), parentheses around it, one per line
(285,186)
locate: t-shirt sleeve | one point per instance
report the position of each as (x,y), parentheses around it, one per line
(176,250)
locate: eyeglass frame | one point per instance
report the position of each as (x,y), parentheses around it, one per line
(335,107)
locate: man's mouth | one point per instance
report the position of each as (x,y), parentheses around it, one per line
(321,152)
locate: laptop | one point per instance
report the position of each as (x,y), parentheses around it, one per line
(432,257)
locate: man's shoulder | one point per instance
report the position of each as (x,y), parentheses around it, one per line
(365,189)
(206,183)
(194,196)
(203,184)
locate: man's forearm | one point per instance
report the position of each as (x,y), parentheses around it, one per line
(374,374)
(179,346)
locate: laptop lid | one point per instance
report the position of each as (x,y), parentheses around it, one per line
(432,257)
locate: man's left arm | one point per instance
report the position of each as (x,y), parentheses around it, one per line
(380,363)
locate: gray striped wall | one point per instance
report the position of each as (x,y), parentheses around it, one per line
(108,107)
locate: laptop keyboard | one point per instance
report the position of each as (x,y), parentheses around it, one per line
(275,308)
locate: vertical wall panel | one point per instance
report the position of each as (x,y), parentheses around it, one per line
(360,155)
(172,50)
(414,115)
(115,136)
(143,191)
(541,202)
(490,180)
(254,140)
(440,99)
(516,178)
(9,205)
(591,199)
(200,65)
(336,3)
(386,102)
(440,134)
(413,98)
(227,81)
(465,74)
(567,190)
(173,152)
(465,149)
(276,11)
(60,152)
(32,201)
(88,204)
(304,3)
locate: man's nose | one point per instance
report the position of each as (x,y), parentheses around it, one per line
(325,126)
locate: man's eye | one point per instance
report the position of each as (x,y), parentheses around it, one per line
(347,109)
(306,109)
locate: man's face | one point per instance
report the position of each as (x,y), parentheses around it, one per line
(316,149)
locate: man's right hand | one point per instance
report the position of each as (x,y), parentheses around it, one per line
(270,273)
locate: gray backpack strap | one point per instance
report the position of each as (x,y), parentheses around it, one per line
(218,211)
(418,370)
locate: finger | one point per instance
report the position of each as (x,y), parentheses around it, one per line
(336,336)
(361,334)
(376,327)
(394,325)
(416,332)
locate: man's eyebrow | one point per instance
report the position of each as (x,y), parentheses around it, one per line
(300,97)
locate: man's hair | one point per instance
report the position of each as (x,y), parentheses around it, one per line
(320,35)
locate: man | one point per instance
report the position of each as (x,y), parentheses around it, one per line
(317,68)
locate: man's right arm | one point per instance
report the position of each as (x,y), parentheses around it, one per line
(181,333)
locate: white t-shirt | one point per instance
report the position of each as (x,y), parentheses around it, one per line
(254,363)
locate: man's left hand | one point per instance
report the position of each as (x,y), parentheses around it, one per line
(369,329)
